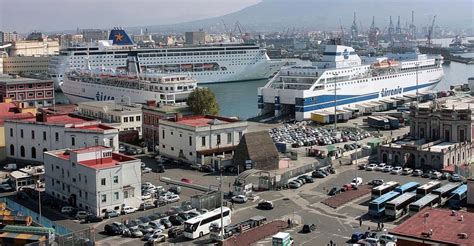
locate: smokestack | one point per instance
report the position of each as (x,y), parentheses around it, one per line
(41,117)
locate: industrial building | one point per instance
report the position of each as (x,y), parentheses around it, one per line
(195,38)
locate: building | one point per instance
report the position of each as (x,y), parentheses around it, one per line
(195,38)
(34,48)
(256,150)
(27,139)
(470,194)
(92,35)
(124,116)
(30,176)
(196,139)
(152,114)
(68,40)
(94,179)
(26,64)
(1,38)
(435,226)
(440,137)
(9,37)
(36,92)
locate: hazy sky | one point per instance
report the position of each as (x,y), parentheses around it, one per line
(53,15)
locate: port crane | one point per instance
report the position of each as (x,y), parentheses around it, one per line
(430,32)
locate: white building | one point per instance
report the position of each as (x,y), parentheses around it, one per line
(94,179)
(194,139)
(27,139)
(122,115)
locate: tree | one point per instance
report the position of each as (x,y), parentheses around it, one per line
(202,101)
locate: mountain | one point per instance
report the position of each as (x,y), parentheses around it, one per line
(278,15)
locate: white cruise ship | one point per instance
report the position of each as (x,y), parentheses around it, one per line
(206,64)
(84,85)
(341,79)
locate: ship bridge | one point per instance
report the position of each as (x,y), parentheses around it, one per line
(295,78)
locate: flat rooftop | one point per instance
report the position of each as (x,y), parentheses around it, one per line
(199,121)
(446,228)
(444,145)
(113,105)
(21,80)
(61,119)
(96,163)
(10,111)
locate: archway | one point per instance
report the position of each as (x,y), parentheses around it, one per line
(410,160)
(384,158)
(33,152)
(22,151)
(12,150)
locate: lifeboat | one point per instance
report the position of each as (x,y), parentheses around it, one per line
(381,64)
(393,63)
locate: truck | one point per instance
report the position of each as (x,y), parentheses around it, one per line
(282,239)
(378,122)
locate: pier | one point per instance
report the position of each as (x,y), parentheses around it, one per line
(446,54)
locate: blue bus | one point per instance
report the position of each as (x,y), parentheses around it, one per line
(444,192)
(408,187)
(377,206)
(458,196)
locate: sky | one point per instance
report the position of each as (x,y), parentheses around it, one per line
(25,16)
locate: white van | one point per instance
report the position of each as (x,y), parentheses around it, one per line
(128,210)
(387,238)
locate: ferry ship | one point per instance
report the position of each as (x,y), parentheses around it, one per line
(206,64)
(82,85)
(341,79)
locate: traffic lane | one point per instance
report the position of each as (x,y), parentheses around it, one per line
(283,208)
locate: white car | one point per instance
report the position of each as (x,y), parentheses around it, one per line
(407,171)
(146,170)
(356,181)
(160,237)
(396,170)
(371,167)
(67,209)
(146,196)
(128,210)
(380,167)
(387,169)
(240,199)
(148,185)
(387,238)
(172,198)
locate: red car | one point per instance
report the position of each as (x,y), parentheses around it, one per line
(347,187)
(185,180)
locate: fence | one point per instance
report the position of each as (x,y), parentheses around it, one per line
(19,209)
(286,176)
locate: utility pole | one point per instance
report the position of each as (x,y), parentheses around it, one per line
(335,102)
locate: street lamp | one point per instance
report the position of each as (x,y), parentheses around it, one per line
(335,101)
(417,65)
(38,186)
(220,157)
(357,152)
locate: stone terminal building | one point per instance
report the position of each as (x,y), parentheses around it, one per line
(440,137)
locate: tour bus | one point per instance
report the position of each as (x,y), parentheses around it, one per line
(458,196)
(199,225)
(397,207)
(408,187)
(427,189)
(430,200)
(377,206)
(444,192)
(383,189)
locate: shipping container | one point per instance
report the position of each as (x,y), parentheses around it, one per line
(378,122)
(321,117)
(394,122)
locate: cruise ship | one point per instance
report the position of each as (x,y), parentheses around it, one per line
(342,79)
(132,85)
(206,64)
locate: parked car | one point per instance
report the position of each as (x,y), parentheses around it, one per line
(307,178)
(239,199)
(160,168)
(92,219)
(184,216)
(362,166)
(150,234)
(265,205)
(334,190)
(146,170)
(376,182)
(155,224)
(294,185)
(133,232)
(436,175)
(396,170)
(301,180)
(80,215)
(385,238)
(6,187)
(157,238)
(193,214)
(144,228)
(417,172)
(455,178)
(146,196)
(122,148)
(175,232)
(356,181)
(318,174)
(148,185)
(176,220)
(357,236)
(426,174)
(407,171)
(128,210)
(110,213)
(445,175)
(175,189)
(166,222)
(112,229)
(380,167)
(207,169)
(67,210)
(387,169)
(171,198)
(371,167)
(308,228)
(145,206)
(347,187)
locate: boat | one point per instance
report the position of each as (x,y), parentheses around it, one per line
(299,91)
(223,62)
(132,85)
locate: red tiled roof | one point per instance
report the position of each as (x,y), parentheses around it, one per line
(7,112)
(200,120)
(95,127)
(61,119)
(90,149)
(446,228)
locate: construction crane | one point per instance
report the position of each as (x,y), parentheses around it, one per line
(430,32)
(238,27)
(227,31)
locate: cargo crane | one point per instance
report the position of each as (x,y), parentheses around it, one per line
(390,30)
(429,36)
(412,26)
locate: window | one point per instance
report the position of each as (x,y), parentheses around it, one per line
(116,196)
(240,135)
(102,181)
(11,132)
(190,141)
(80,193)
(86,195)
(33,152)
(125,194)
(56,136)
(111,142)
(96,141)
(22,151)
(21,133)
(163,134)
(12,149)
(85,179)
(104,198)
(115,179)
(229,138)
(131,119)
(172,148)
(218,138)
(125,119)
(79,177)
(73,141)
(44,135)
(203,141)
(32,134)
(137,118)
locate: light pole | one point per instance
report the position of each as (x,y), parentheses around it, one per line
(417,65)
(222,196)
(39,201)
(335,101)
(357,152)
